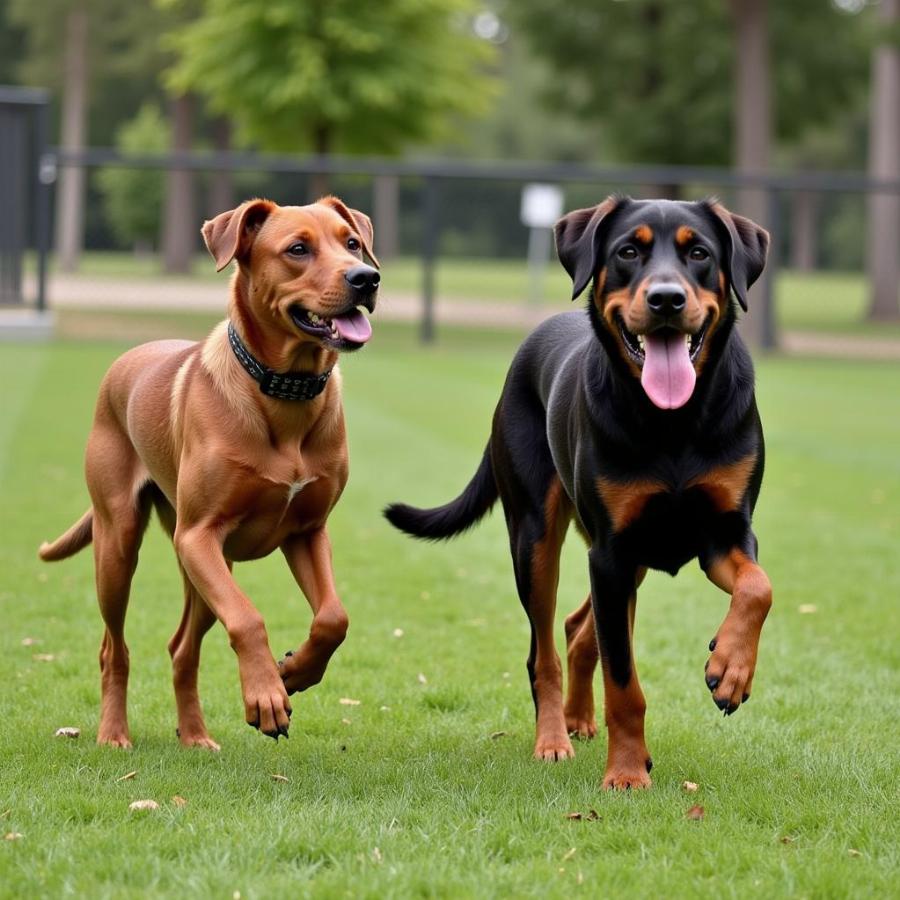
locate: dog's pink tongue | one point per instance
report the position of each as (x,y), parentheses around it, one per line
(354,326)
(668,377)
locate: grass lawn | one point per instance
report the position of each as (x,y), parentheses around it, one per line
(407,793)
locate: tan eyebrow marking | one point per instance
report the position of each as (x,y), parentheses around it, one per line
(684,235)
(643,233)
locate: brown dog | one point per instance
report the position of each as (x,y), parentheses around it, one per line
(239,443)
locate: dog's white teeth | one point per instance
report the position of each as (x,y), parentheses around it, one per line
(687,340)
(640,339)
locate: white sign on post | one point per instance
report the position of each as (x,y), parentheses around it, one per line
(542,205)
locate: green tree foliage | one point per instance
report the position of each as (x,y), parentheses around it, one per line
(334,76)
(133,198)
(658,74)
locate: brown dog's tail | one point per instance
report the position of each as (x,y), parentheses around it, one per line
(75,539)
(454,517)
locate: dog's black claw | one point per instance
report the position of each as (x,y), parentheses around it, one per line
(283,729)
(723,704)
(290,712)
(254,725)
(712,682)
(649,765)
(288,652)
(745,698)
(712,644)
(178,732)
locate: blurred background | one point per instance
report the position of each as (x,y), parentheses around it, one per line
(464,127)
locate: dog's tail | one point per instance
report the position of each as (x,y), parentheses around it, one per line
(454,517)
(75,539)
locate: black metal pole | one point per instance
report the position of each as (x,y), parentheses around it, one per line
(769,313)
(430,230)
(46,175)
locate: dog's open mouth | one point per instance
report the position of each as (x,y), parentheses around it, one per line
(348,331)
(666,359)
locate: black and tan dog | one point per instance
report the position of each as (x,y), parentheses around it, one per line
(638,421)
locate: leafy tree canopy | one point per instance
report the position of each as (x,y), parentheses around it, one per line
(335,76)
(659,75)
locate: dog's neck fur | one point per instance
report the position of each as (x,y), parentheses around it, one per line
(270,343)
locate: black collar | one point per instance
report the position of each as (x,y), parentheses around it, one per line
(287,386)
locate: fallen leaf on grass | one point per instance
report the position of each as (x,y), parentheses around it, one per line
(696,813)
(385,709)
(143,805)
(398,632)
(807,609)
(690,786)
(282,778)
(67,732)
(349,701)
(787,839)
(30,641)
(126,777)
(497,734)
(179,801)
(43,657)
(574,816)
(376,855)
(422,678)
(854,853)
(12,836)
(568,855)
(592,816)
(346,721)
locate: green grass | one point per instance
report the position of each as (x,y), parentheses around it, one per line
(799,788)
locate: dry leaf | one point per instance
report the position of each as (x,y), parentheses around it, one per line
(179,801)
(43,657)
(807,609)
(696,813)
(346,722)
(30,642)
(68,732)
(385,709)
(568,855)
(398,632)
(422,678)
(127,776)
(282,778)
(142,805)
(12,836)
(376,855)
(593,815)
(497,734)
(348,701)
(574,816)
(690,786)
(787,839)
(854,853)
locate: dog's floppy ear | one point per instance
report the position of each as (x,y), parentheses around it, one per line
(746,248)
(359,222)
(578,238)
(231,233)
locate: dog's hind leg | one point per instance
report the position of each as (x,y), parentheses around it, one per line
(118,528)
(582,655)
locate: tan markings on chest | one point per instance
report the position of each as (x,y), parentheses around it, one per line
(726,485)
(625,501)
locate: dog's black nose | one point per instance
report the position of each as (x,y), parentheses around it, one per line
(666,299)
(363,278)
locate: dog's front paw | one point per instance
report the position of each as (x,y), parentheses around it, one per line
(266,704)
(553,747)
(303,669)
(729,671)
(627,767)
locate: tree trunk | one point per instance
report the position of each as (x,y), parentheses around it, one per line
(804,233)
(386,215)
(180,226)
(70,191)
(320,182)
(884,163)
(752,135)
(221,189)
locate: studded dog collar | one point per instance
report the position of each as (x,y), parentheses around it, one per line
(281,386)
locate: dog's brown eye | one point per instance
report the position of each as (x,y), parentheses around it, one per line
(699,253)
(627,252)
(352,244)
(298,249)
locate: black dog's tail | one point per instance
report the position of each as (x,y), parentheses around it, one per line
(454,517)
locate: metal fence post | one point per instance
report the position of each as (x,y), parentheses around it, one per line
(430,229)
(768,332)
(46,175)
